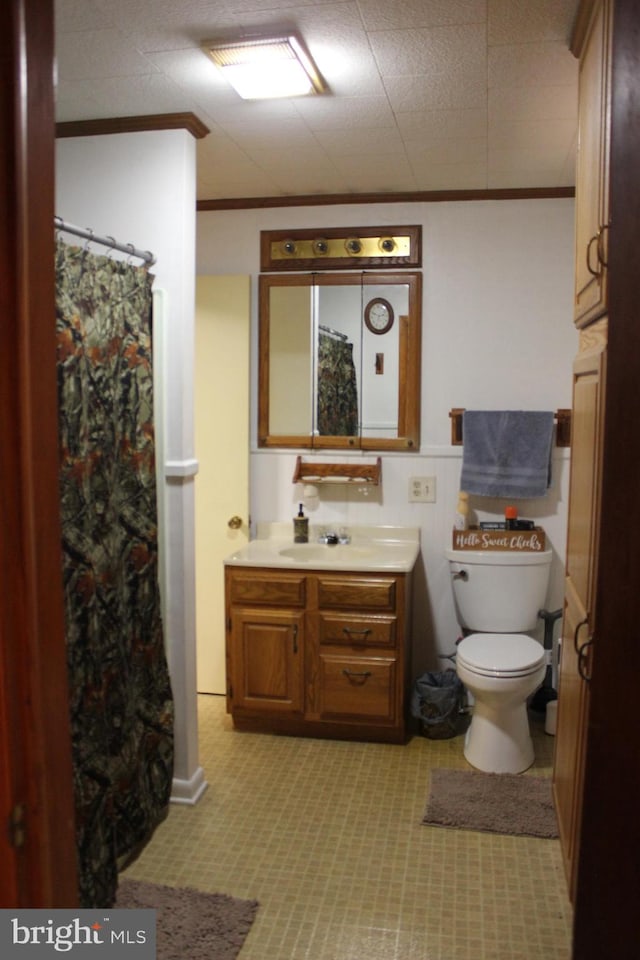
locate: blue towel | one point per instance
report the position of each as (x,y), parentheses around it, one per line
(507,453)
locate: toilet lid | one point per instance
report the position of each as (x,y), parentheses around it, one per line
(500,654)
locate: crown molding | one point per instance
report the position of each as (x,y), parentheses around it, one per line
(153,121)
(429,196)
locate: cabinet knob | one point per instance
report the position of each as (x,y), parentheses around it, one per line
(235,523)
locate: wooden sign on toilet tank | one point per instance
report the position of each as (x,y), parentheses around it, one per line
(476,539)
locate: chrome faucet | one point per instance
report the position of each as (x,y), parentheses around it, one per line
(328,536)
(332,538)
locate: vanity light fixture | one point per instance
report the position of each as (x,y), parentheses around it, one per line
(260,68)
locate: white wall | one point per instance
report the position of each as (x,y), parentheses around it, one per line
(497,333)
(140,188)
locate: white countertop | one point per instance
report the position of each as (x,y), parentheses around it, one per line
(372,549)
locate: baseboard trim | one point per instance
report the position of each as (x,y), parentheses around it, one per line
(189,791)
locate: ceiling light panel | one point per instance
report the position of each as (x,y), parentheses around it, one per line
(264,68)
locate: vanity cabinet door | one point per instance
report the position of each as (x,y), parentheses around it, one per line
(267,657)
(583,533)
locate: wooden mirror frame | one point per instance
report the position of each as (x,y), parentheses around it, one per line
(410,347)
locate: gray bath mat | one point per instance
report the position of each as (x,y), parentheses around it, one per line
(191,924)
(491,803)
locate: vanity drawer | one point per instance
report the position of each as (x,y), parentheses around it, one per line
(345,630)
(275,591)
(357,593)
(357,688)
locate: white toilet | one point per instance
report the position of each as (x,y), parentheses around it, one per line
(498,595)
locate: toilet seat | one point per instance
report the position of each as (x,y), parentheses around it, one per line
(500,654)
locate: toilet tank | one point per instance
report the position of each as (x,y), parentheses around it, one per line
(499,591)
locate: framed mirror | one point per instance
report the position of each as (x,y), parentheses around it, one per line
(339,361)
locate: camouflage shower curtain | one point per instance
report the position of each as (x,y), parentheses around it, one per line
(121,702)
(337,405)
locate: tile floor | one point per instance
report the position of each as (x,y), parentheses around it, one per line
(328,837)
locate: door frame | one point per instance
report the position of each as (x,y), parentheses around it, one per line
(37,851)
(608,884)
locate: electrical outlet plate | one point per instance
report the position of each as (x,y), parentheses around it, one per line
(422,489)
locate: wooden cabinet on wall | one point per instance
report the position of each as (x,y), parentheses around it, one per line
(592,162)
(320,654)
(587,430)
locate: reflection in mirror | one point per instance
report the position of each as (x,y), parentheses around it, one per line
(329,379)
(337,338)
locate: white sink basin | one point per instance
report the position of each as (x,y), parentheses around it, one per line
(326,553)
(372,548)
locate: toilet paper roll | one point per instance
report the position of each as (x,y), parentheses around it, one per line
(551,717)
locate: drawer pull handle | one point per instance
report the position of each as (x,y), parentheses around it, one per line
(295,638)
(576,632)
(584,663)
(357,633)
(361,677)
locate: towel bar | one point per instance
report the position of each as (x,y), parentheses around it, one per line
(562,418)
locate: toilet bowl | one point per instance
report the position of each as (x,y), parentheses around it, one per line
(501,670)
(498,595)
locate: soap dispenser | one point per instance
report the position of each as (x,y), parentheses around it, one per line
(300,527)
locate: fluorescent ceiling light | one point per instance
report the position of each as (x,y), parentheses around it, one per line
(262,68)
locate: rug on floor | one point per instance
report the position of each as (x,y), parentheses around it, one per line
(491,802)
(191,924)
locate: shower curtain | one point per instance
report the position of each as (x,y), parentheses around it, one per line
(337,403)
(120,694)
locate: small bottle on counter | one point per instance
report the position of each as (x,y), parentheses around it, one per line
(461,520)
(300,527)
(511,518)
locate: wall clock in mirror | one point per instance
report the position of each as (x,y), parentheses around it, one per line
(378,315)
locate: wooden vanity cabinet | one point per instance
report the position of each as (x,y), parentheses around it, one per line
(320,654)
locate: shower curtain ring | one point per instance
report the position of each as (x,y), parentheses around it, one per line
(89,238)
(130,247)
(112,245)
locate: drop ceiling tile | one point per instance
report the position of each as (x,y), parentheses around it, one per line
(99,53)
(383,15)
(542,64)
(421,93)
(74,101)
(456,52)
(535,137)
(448,152)
(517,174)
(150,94)
(359,142)
(425,126)
(293,134)
(345,113)
(71,15)
(281,161)
(511,20)
(455,176)
(508,104)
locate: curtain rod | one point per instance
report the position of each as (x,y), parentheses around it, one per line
(88,234)
(334,333)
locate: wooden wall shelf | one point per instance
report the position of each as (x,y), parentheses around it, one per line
(369,473)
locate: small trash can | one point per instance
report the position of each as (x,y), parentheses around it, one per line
(437,701)
(551,718)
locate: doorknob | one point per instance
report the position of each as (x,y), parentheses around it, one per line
(235,523)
